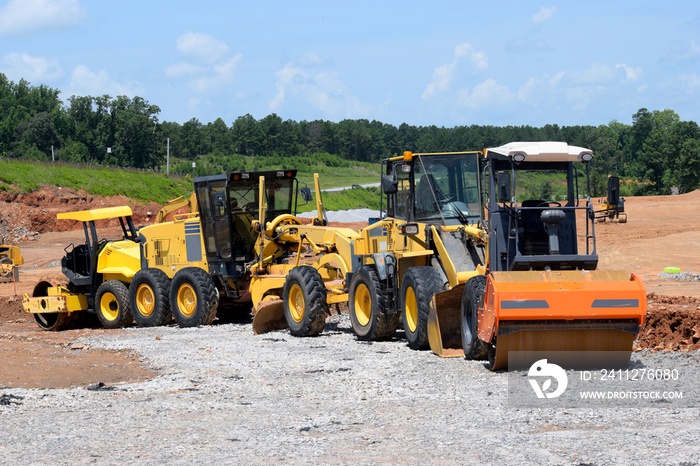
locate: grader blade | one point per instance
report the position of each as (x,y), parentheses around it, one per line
(594,315)
(444,327)
(269,316)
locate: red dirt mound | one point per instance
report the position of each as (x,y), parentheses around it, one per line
(672,324)
(25,215)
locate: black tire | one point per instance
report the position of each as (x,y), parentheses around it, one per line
(193,298)
(367,307)
(472,300)
(149,297)
(6,272)
(417,290)
(112,304)
(304,301)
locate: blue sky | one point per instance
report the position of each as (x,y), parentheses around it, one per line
(444,63)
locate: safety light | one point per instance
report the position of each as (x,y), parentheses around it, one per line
(409,229)
(519,157)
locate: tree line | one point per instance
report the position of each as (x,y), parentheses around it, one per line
(657,151)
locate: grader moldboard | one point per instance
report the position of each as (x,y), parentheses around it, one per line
(240,245)
(475,269)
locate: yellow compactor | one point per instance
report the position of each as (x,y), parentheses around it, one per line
(474,263)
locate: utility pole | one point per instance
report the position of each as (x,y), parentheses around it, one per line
(167,158)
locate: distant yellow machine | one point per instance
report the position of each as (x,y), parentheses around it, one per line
(613,206)
(10,260)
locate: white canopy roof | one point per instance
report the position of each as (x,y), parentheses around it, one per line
(543,151)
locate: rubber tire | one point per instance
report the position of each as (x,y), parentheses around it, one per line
(304,302)
(472,300)
(113,296)
(194,298)
(417,290)
(367,307)
(149,297)
(6,273)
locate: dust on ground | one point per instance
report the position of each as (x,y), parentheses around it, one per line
(661,231)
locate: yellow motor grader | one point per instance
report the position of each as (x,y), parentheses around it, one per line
(476,264)
(241,245)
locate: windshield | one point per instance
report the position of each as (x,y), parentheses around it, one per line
(447,188)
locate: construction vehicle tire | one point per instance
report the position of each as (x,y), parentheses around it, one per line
(6,267)
(112,304)
(367,307)
(149,297)
(472,300)
(304,301)
(417,290)
(194,298)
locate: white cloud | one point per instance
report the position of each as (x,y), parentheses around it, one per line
(201,47)
(33,69)
(598,74)
(207,65)
(23,16)
(484,95)
(478,58)
(87,82)
(631,73)
(527,91)
(543,14)
(219,76)
(443,75)
(323,91)
(182,69)
(577,90)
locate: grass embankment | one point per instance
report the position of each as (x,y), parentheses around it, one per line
(143,186)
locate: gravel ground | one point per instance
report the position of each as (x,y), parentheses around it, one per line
(225,396)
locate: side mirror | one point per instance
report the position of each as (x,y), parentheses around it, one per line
(389,184)
(503,182)
(306,194)
(613,191)
(219,199)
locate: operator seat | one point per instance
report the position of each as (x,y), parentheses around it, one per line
(533,237)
